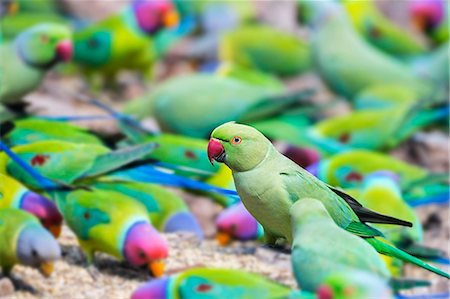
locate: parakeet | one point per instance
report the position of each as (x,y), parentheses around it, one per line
(215,283)
(167,211)
(321,248)
(68,162)
(348,170)
(378,30)
(385,96)
(367,129)
(194,105)
(24,241)
(26,59)
(29,130)
(431,18)
(268,184)
(266,49)
(235,222)
(351,64)
(14,195)
(109,222)
(380,191)
(106,47)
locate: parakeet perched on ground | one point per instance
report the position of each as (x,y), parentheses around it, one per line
(381,192)
(68,162)
(268,184)
(29,130)
(109,222)
(194,105)
(28,57)
(378,30)
(15,195)
(266,49)
(352,65)
(321,248)
(348,170)
(431,18)
(24,241)
(168,212)
(105,47)
(235,222)
(215,283)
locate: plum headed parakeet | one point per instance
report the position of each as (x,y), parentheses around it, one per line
(431,18)
(268,184)
(24,241)
(194,105)
(109,222)
(167,212)
(214,284)
(14,195)
(29,130)
(28,57)
(68,162)
(265,49)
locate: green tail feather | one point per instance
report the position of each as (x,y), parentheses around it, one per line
(424,252)
(390,250)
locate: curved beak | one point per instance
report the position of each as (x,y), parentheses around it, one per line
(419,22)
(64,50)
(157,268)
(46,269)
(55,230)
(223,238)
(215,151)
(171,18)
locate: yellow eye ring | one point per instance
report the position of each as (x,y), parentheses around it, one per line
(236,140)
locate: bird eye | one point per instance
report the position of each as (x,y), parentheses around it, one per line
(34,253)
(44,38)
(236,140)
(92,43)
(142,255)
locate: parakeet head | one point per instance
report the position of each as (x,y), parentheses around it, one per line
(145,246)
(154,15)
(353,285)
(184,221)
(37,248)
(240,147)
(44,45)
(427,14)
(44,209)
(236,222)
(92,47)
(156,289)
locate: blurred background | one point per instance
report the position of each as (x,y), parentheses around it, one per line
(319,78)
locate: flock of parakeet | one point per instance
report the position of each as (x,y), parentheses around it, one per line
(334,198)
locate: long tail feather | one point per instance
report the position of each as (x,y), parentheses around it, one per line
(421,251)
(382,247)
(407,283)
(150,174)
(424,296)
(441,199)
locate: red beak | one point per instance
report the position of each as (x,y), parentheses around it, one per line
(64,50)
(215,149)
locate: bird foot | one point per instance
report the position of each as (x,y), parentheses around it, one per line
(93,272)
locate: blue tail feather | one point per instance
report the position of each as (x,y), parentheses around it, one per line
(424,296)
(442,199)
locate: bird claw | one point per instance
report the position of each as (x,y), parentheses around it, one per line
(93,272)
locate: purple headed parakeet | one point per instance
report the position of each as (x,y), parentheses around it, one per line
(431,18)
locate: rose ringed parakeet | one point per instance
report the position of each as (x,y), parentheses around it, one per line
(268,184)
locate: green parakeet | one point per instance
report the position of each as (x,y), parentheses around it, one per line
(268,184)
(194,105)
(68,162)
(321,248)
(203,283)
(384,34)
(348,170)
(24,241)
(168,212)
(351,64)
(15,195)
(106,47)
(28,57)
(385,96)
(29,130)
(109,222)
(266,49)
